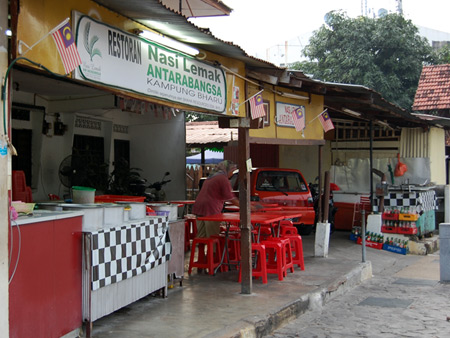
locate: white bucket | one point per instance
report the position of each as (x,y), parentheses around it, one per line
(83,195)
(113,215)
(172,208)
(138,210)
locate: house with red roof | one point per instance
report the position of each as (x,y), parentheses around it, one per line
(432,100)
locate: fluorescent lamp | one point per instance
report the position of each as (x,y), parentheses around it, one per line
(384,124)
(351,112)
(168,42)
(294,96)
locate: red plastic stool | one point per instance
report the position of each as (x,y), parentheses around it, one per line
(274,258)
(209,260)
(286,227)
(289,262)
(260,269)
(234,248)
(285,254)
(297,250)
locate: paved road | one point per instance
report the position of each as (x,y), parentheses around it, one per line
(403,299)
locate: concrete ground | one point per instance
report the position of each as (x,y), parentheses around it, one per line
(410,302)
(212,306)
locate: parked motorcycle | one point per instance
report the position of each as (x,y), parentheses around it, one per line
(156,188)
(156,193)
(314,188)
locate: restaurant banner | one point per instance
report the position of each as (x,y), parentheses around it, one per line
(283,113)
(127,61)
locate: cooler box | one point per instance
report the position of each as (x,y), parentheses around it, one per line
(344,216)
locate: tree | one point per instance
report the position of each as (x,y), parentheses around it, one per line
(385,54)
(442,55)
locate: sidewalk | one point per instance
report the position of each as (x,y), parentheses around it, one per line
(212,306)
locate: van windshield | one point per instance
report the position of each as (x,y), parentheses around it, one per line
(284,181)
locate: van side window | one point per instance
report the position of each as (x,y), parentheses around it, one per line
(280,181)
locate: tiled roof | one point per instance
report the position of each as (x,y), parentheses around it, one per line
(208,132)
(433,91)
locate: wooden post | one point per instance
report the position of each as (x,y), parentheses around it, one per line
(319,188)
(244,203)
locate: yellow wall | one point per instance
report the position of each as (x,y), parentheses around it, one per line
(313,129)
(436,150)
(38,17)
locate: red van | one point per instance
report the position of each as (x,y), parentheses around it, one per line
(286,187)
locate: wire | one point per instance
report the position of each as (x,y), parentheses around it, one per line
(18,251)
(5,82)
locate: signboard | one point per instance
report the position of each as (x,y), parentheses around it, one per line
(283,114)
(129,62)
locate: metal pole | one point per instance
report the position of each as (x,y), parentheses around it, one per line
(363,234)
(371,164)
(319,187)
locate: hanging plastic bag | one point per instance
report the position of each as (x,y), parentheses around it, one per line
(400,168)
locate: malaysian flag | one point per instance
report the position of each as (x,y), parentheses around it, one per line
(326,121)
(66,47)
(257,106)
(298,115)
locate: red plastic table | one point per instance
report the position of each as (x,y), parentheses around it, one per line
(234,218)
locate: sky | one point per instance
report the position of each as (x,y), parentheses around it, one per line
(256,25)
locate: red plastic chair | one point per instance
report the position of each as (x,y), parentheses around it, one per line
(20,190)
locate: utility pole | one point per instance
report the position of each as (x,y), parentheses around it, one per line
(399,7)
(363,7)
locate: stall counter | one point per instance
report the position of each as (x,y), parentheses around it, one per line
(45,274)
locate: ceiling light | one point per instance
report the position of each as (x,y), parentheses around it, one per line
(168,42)
(351,112)
(384,124)
(430,117)
(294,96)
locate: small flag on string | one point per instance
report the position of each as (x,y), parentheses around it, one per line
(66,47)
(298,116)
(326,121)
(257,106)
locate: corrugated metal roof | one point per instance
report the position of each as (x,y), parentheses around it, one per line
(433,91)
(198,8)
(202,133)
(156,16)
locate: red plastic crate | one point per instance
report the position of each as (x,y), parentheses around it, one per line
(392,230)
(407,231)
(390,217)
(370,244)
(118,198)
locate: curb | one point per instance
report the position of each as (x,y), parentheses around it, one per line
(260,326)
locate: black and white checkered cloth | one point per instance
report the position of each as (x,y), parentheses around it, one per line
(418,200)
(126,251)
